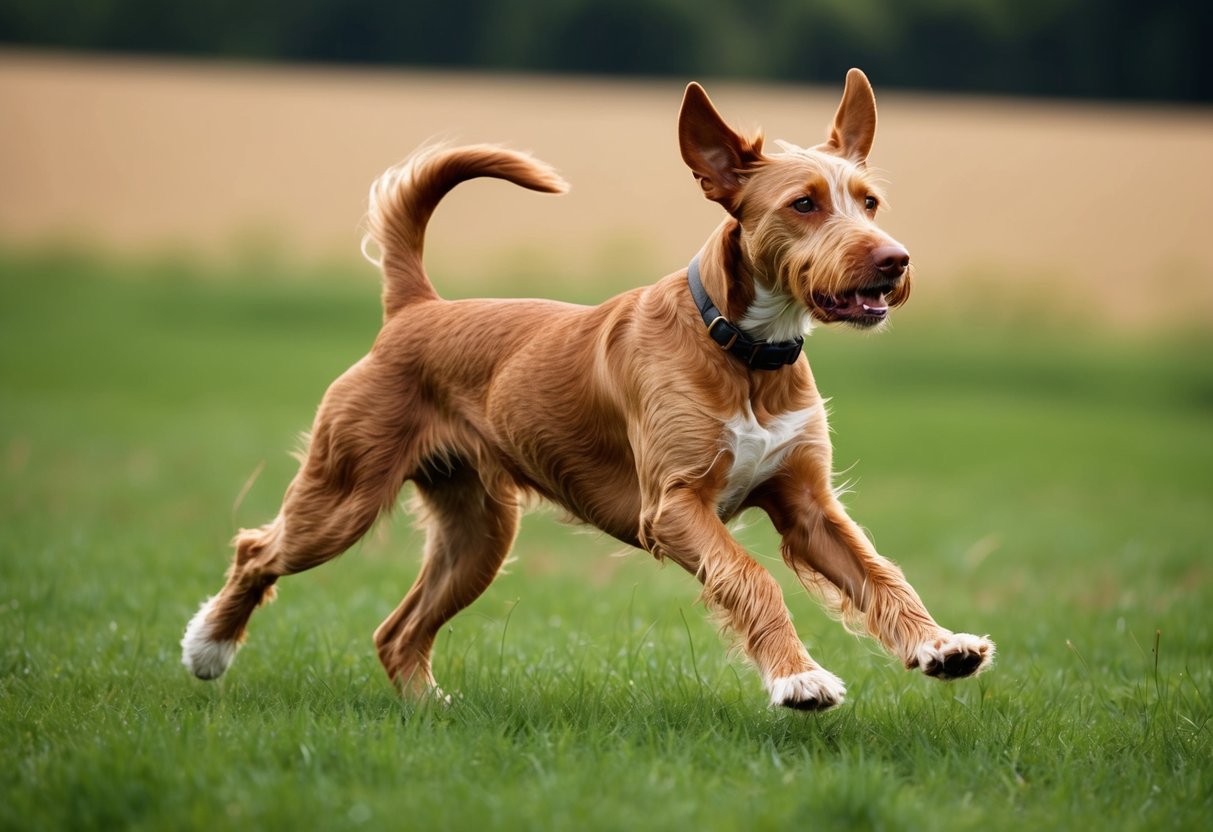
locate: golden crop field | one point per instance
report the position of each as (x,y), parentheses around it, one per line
(1097,211)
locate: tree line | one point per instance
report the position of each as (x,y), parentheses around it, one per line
(1122,49)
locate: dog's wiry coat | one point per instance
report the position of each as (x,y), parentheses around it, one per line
(625,414)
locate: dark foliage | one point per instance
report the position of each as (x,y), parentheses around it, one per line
(1090,48)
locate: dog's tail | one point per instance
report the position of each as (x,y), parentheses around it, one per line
(404,197)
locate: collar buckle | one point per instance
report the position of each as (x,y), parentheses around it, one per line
(721,319)
(757,355)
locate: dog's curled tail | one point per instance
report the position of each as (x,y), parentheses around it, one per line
(404,197)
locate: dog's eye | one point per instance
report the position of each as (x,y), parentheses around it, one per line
(870,203)
(804,205)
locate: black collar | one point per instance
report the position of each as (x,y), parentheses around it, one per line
(757,355)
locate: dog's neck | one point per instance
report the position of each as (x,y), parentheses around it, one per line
(726,274)
(774,315)
(743,295)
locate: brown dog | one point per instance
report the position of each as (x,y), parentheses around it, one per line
(656,417)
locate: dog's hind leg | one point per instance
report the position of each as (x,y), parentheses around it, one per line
(355,465)
(469,532)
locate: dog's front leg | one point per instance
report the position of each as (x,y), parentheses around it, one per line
(832,556)
(684,528)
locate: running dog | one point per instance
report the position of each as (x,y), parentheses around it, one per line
(656,417)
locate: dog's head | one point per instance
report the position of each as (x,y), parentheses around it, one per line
(807,216)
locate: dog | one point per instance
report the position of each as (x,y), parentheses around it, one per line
(656,417)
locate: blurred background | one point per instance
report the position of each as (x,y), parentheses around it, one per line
(1059,151)
(1092,48)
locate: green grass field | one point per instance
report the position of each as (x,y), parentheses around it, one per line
(1050,488)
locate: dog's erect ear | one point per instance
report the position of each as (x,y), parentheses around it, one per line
(855,122)
(719,157)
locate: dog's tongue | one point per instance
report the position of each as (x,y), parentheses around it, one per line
(865,303)
(873,304)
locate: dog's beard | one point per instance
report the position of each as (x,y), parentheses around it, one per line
(834,278)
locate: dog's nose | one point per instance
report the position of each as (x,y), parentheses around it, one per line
(891,261)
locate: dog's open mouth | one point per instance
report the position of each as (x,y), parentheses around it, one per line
(866,307)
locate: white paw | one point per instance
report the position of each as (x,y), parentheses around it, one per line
(205,657)
(440,698)
(813,690)
(954,656)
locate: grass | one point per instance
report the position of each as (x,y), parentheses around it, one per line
(1052,489)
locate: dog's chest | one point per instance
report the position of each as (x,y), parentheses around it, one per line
(758,450)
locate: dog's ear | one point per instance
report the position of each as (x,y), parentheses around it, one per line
(855,122)
(719,157)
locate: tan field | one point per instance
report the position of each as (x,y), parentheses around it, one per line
(1097,211)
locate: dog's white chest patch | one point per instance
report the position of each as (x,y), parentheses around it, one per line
(758,451)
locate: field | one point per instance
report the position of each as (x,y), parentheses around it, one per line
(1053,493)
(1043,475)
(1099,211)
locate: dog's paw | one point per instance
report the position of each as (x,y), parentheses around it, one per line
(813,690)
(440,698)
(953,656)
(205,657)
